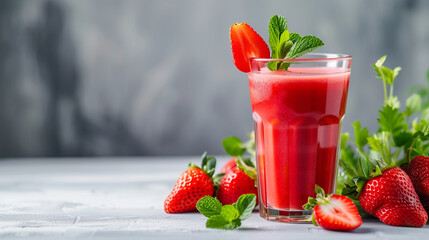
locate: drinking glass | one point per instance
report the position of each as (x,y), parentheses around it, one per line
(297,117)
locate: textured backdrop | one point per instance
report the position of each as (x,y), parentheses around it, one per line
(156,77)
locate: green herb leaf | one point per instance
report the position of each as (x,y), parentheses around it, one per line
(277,26)
(413,105)
(304,45)
(380,61)
(402,139)
(245,205)
(229,213)
(387,73)
(219,222)
(422,128)
(294,37)
(393,102)
(209,206)
(375,143)
(391,120)
(278,38)
(287,45)
(361,135)
(227,216)
(233,146)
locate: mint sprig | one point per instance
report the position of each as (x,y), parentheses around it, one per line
(226,216)
(288,45)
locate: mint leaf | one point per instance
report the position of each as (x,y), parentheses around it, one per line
(245,205)
(219,222)
(304,45)
(233,146)
(229,213)
(391,120)
(294,37)
(209,206)
(287,45)
(278,38)
(277,26)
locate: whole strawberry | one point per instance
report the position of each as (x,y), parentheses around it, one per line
(235,183)
(229,165)
(392,199)
(418,170)
(193,184)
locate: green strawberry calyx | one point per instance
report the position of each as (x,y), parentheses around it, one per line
(320,199)
(208,164)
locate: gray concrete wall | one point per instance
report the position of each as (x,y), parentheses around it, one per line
(156,77)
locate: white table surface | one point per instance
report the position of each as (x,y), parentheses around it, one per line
(122,198)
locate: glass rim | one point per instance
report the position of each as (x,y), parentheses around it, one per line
(322,57)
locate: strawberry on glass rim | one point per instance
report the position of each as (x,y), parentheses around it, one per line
(245,44)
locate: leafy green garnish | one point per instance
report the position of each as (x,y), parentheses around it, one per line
(395,143)
(209,206)
(288,45)
(226,216)
(304,45)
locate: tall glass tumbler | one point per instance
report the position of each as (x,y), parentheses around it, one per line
(297,115)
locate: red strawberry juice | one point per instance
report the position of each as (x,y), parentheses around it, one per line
(297,115)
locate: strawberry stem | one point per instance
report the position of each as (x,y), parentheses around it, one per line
(411,148)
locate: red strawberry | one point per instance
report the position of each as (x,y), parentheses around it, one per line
(229,165)
(234,184)
(392,199)
(333,212)
(246,43)
(418,171)
(193,184)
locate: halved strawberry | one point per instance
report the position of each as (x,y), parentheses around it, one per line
(246,43)
(333,212)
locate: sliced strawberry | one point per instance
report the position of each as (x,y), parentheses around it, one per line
(246,43)
(339,214)
(333,212)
